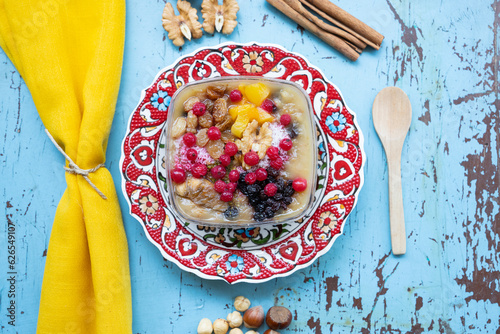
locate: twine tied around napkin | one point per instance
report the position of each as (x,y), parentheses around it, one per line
(75,169)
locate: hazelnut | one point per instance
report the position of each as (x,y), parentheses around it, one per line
(220,326)
(254,317)
(205,326)
(235,331)
(235,319)
(241,303)
(270,331)
(252,332)
(278,317)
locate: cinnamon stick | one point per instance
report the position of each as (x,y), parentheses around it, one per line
(348,22)
(297,6)
(332,40)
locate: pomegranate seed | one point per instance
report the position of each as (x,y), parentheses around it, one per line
(271,189)
(199,108)
(231,187)
(225,160)
(213,133)
(235,95)
(268,106)
(199,170)
(192,154)
(273,152)
(261,174)
(189,139)
(286,144)
(251,158)
(234,175)
(218,172)
(219,186)
(178,175)
(285,119)
(226,196)
(231,149)
(299,184)
(250,178)
(277,163)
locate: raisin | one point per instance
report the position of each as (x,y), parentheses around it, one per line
(206,120)
(202,138)
(189,103)
(220,110)
(215,92)
(209,104)
(191,122)
(215,148)
(179,127)
(226,124)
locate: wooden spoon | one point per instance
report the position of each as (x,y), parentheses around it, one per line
(392,118)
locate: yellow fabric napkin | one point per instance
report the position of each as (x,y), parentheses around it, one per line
(69,53)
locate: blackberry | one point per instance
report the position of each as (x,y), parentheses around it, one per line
(231,212)
(278,196)
(288,191)
(260,207)
(270,202)
(253,189)
(269,212)
(271,172)
(262,195)
(280,183)
(275,206)
(258,216)
(287,200)
(292,130)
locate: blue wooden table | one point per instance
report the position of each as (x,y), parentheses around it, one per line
(444,54)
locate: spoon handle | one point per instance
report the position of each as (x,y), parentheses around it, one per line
(396,211)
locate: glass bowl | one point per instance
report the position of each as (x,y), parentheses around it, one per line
(191,213)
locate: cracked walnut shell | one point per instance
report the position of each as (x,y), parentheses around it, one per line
(184,25)
(220,17)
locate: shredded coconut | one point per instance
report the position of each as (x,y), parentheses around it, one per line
(181,160)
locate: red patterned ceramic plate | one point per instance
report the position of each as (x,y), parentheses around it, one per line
(243,254)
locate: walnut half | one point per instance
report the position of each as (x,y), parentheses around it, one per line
(186,24)
(220,17)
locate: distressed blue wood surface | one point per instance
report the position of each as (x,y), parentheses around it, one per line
(444,54)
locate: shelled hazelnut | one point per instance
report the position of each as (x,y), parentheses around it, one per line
(241,303)
(270,331)
(205,326)
(254,317)
(235,331)
(252,332)
(221,326)
(234,319)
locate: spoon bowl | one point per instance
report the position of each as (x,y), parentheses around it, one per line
(392,118)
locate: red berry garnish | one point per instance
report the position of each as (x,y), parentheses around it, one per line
(285,119)
(286,144)
(199,108)
(261,174)
(251,158)
(234,175)
(226,196)
(192,154)
(219,186)
(199,170)
(178,175)
(271,189)
(277,163)
(213,133)
(218,172)
(235,95)
(273,152)
(250,178)
(268,106)
(231,149)
(231,186)
(189,139)
(299,184)
(225,160)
